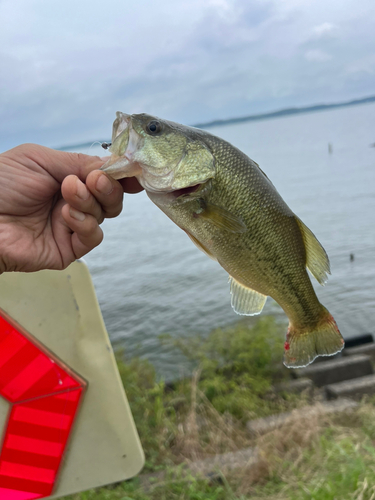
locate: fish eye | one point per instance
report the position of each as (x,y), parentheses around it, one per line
(153,127)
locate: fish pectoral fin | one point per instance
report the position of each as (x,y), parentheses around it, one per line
(245,300)
(201,247)
(221,218)
(317,261)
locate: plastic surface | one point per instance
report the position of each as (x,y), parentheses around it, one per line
(45,365)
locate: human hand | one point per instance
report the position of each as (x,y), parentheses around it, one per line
(51,205)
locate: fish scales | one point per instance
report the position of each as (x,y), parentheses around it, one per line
(242,188)
(232,212)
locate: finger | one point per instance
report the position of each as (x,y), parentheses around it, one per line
(76,194)
(107,191)
(87,233)
(60,164)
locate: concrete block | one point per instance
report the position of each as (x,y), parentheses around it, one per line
(358,340)
(366,349)
(355,388)
(267,424)
(346,368)
(296,386)
(227,461)
(208,467)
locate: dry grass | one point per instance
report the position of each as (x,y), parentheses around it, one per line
(281,450)
(205,432)
(298,461)
(318,457)
(313,456)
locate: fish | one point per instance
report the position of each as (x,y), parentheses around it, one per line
(233,213)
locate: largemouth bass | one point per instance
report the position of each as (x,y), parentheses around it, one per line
(232,212)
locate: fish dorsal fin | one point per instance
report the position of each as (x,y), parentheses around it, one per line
(221,218)
(317,261)
(201,247)
(245,300)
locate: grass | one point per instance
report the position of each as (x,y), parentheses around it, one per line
(323,459)
(317,457)
(237,366)
(183,490)
(235,370)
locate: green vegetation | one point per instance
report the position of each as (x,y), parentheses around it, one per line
(237,366)
(325,458)
(317,457)
(187,489)
(235,369)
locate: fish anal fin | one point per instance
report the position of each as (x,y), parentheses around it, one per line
(221,217)
(245,300)
(317,261)
(201,247)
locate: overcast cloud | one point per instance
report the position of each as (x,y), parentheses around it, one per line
(67,66)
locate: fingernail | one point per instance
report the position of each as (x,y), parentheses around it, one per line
(76,214)
(82,191)
(104,185)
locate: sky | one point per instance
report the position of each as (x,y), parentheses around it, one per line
(66,66)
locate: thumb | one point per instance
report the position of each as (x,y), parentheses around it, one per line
(60,164)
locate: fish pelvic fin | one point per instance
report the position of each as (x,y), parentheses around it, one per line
(317,261)
(303,346)
(246,301)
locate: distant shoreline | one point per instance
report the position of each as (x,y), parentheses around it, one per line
(285,112)
(250,118)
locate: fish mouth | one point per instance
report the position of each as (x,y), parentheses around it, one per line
(120,167)
(120,124)
(125,144)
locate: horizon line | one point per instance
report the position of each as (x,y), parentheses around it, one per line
(256,117)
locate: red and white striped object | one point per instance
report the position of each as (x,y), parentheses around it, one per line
(44,395)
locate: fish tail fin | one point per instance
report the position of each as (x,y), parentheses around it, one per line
(302,346)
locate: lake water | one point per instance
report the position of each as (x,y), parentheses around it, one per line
(150,279)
